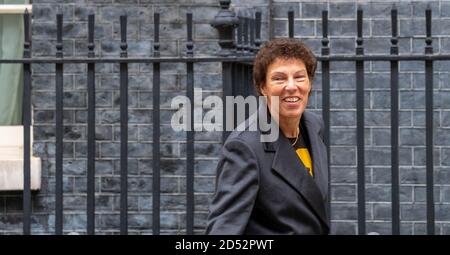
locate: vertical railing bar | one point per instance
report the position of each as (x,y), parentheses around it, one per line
(227,91)
(156,130)
(26,128)
(246,46)
(252,34)
(91,131)
(190,133)
(291,22)
(429,125)
(360,126)
(257,30)
(326,97)
(394,128)
(240,35)
(59,129)
(123,128)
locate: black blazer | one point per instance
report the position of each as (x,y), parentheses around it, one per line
(263,187)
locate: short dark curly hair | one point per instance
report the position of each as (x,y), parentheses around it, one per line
(285,48)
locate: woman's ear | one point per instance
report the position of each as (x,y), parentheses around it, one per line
(262,90)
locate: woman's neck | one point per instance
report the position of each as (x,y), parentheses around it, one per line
(290,127)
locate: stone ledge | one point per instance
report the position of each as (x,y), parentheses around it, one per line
(11,160)
(11,174)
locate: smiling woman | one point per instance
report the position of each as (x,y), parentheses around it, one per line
(278,187)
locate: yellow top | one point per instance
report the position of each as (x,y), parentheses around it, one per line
(304,156)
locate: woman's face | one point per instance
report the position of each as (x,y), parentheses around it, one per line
(287,79)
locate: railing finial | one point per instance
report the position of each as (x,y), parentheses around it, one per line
(225,22)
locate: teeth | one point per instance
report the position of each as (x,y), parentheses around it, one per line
(292,99)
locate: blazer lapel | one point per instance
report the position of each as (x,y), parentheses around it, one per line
(317,153)
(289,167)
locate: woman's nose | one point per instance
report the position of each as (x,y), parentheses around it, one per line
(290,86)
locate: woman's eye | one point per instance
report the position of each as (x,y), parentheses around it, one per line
(300,77)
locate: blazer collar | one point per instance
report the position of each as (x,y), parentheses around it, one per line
(287,164)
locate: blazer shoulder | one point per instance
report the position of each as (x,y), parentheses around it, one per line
(246,132)
(316,120)
(313,117)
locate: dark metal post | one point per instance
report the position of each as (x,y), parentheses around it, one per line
(360,126)
(326,97)
(59,129)
(291,23)
(240,35)
(123,129)
(246,47)
(156,130)
(91,131)
(190,133)
(252,34)
(394,128)
(26,127)
(429,124)
(257,30)
(225,22)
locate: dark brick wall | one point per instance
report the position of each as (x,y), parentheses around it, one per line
(208,76)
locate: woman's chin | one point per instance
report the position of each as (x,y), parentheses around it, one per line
(291,114)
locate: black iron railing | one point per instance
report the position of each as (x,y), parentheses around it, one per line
(240,38)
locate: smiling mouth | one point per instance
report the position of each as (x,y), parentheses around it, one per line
(292,99)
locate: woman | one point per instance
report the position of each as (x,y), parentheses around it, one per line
(276,187)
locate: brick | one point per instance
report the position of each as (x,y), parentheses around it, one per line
(344,211)
(413,212)
(343,156)
(203,149)
(380,100)
(132,133)
(412,175)
(343,136)
(342,46)
(442,175)
(412,136)
(441,100)
(420,194)
(420,156)
(132,167)
(343,100)
(419,81)
(377,45)
(344,193)
(80,184)
(312,10)
(343,118)
(445,119)
(343,174)
(382,211)
(342,28)
(173,201)
(383,9)
(411,66)
(342,10)
(381,136)
(420,228)
(442,137)
(344,228)
(280,10)
(412,100)
(445,157)
(381,228)
(377,118)
(170,220)
(418,8)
